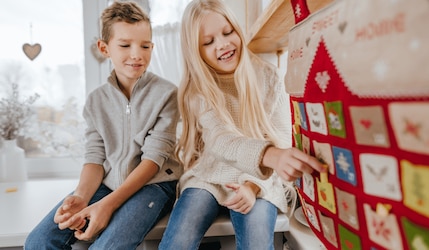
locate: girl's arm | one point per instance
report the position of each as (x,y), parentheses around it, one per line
(244,198)
(290,163)
(224,143)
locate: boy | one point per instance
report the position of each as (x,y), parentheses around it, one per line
(128,181)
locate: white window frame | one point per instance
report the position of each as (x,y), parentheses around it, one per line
(95,74)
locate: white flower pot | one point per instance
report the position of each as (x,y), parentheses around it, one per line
(12,162)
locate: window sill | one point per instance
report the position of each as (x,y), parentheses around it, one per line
(52,168)
(25,204)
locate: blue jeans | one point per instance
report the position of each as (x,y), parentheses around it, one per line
(126,229)
(195,211)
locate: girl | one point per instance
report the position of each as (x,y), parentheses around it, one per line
(235,141)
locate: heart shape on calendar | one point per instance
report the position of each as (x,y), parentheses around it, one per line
(31,50)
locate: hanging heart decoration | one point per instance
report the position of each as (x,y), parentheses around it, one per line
(95,52)
(31,51)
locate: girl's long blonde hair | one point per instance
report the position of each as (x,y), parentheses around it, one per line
(198,83)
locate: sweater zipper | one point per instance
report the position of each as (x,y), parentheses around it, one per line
(127,132)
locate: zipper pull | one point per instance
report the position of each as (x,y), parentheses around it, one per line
(128,111)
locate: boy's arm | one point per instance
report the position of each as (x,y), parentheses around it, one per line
(100,213)
(141,175)
(159,142)
(89,181)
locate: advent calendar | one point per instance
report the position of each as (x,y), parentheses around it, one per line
(358,78)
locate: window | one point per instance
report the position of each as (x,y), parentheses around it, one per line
(66,70)
(43,53)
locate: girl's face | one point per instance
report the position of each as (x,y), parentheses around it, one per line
(220,45)
(129,49)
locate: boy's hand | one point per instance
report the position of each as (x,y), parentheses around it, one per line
(98,216)
(72,204)
(244,198)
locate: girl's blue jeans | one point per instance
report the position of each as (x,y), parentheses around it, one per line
(195,211)
(126,229)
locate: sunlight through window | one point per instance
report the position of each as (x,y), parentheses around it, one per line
(45,56)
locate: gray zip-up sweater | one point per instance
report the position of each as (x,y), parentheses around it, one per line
(121,132)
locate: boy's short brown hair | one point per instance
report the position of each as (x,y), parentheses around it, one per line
(129,12)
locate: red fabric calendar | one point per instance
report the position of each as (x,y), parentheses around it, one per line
(358,79)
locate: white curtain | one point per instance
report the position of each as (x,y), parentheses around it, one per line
(167,55)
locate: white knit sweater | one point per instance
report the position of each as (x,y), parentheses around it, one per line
(232,158)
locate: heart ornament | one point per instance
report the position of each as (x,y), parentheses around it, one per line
(97,54)
(31,51)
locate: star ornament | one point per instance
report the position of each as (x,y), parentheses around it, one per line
(412,129)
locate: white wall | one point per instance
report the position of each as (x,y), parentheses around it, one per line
(247,12)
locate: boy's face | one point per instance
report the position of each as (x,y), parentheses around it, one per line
(129,49)
(220,45)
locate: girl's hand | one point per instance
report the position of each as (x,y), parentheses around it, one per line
(291,163)
(244,198)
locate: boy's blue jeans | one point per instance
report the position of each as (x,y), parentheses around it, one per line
(126,229)
(195,211)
